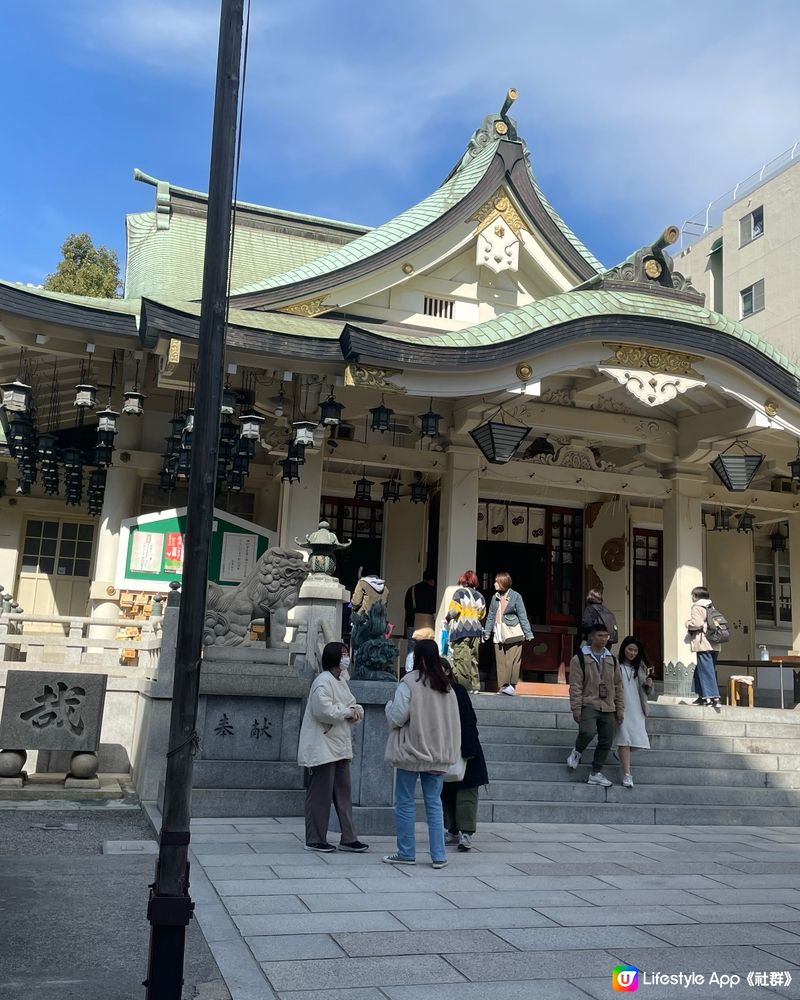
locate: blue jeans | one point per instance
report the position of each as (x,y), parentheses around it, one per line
(405,784)
(704,682)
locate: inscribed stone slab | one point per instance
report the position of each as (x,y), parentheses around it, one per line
(54,710)
(242,728)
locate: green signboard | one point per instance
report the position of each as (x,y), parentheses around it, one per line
(151,551)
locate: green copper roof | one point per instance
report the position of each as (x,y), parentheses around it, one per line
(568,306)
(269,322)
(390,233)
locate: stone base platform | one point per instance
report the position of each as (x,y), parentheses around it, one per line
(51,786)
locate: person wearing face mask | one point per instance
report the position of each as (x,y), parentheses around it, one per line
(507,624)
(326,748)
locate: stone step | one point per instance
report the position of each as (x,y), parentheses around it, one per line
(697,759)
(573,788)
(698,726)
(246,774)
(647,774)
(215,802)
(658,741)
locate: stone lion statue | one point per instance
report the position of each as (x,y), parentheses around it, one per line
(272,587)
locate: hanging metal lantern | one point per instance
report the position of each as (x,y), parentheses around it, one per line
(235,481)
(722,520)
(107,421)
(744,522)
(184,466)
(430,423)
(419,492)
(132,403)
(229,431)
(391,490)
(778,539)
(250,426)
(381,417)
(46,446)
(735,470)
(85,397)
(296,452)
(290,471)
(188,429)
(499,441)
(363,489)
(330,412)
(241,463)
(228,405)
(166,481)
(72,458)
(304,432)
(103,455)
(177,423)
(16,396)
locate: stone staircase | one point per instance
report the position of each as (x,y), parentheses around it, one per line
(734,765)
(705,766)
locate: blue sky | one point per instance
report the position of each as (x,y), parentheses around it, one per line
(636,115)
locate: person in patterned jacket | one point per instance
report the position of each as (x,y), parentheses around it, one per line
(465,616)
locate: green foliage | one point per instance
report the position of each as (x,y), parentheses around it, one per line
(85,269)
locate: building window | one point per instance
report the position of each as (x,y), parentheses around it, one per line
(440,308)
(63,548)
(773,588)
(566,563)
(751,226)
(752,298)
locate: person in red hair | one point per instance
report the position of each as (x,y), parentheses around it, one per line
(465,616)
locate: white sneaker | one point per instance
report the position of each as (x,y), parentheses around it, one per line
(600,779)
(627,781)
(451,839)
(464,842)
(508,689)
(574,759)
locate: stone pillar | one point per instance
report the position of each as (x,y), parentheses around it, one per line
(119,502)
(794,576)
(315,620)
(683,570)
(458,518)
(300,502)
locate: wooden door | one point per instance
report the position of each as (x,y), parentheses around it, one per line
(648,603)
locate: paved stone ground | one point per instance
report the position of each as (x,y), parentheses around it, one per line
(535,912)
(72,919)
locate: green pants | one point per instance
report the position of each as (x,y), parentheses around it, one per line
(460,807)
(603,726)
(465,663)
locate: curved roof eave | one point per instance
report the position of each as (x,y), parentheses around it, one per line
(465,190)
(114,316)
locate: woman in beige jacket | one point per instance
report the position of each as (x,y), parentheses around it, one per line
(704,682)
(425,740)
(326,748)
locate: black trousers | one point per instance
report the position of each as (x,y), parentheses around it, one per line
(329,783)
(603,726)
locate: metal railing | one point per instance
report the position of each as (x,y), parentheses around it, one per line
(710,217)
(67,642)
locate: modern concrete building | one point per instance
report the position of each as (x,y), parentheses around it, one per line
(472,313)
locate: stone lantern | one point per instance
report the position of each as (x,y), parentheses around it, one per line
(322,543)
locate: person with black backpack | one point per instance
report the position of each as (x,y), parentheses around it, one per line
(707,630)
(597,701)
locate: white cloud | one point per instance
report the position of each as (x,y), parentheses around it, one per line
(640,115)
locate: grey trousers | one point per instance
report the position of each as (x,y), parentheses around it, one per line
(329,783)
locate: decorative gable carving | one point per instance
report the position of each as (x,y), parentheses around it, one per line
(498,233)
(651,375)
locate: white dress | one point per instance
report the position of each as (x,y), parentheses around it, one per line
(632,732)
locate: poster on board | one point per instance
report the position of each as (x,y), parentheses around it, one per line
(173,557)
(238,556)
(147,551)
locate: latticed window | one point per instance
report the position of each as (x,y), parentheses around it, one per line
(566,563)
(440,308)
(60,548)
(353,520)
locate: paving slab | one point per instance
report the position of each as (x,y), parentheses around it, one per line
(729,914)
(702,959)
(356,902)
(601,989)
(313,923)
(689,935)
(541,989)
(340,973)
(423,943)
(367,993)
(423,880)
(582,916)
(576,938)
(236,905)
(573,883)
(633,882)
(282,886)
(533,965)
(786,952)
(420,920)
(525,897)
(286,947)
(766,895)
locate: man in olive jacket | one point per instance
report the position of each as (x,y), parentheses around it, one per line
(596,700)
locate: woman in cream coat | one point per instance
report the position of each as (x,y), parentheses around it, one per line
(326,748)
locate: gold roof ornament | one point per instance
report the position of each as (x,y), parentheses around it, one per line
(310,307)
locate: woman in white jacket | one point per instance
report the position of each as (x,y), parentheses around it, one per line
(326,748)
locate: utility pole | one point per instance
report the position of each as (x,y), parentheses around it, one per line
(170,906)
